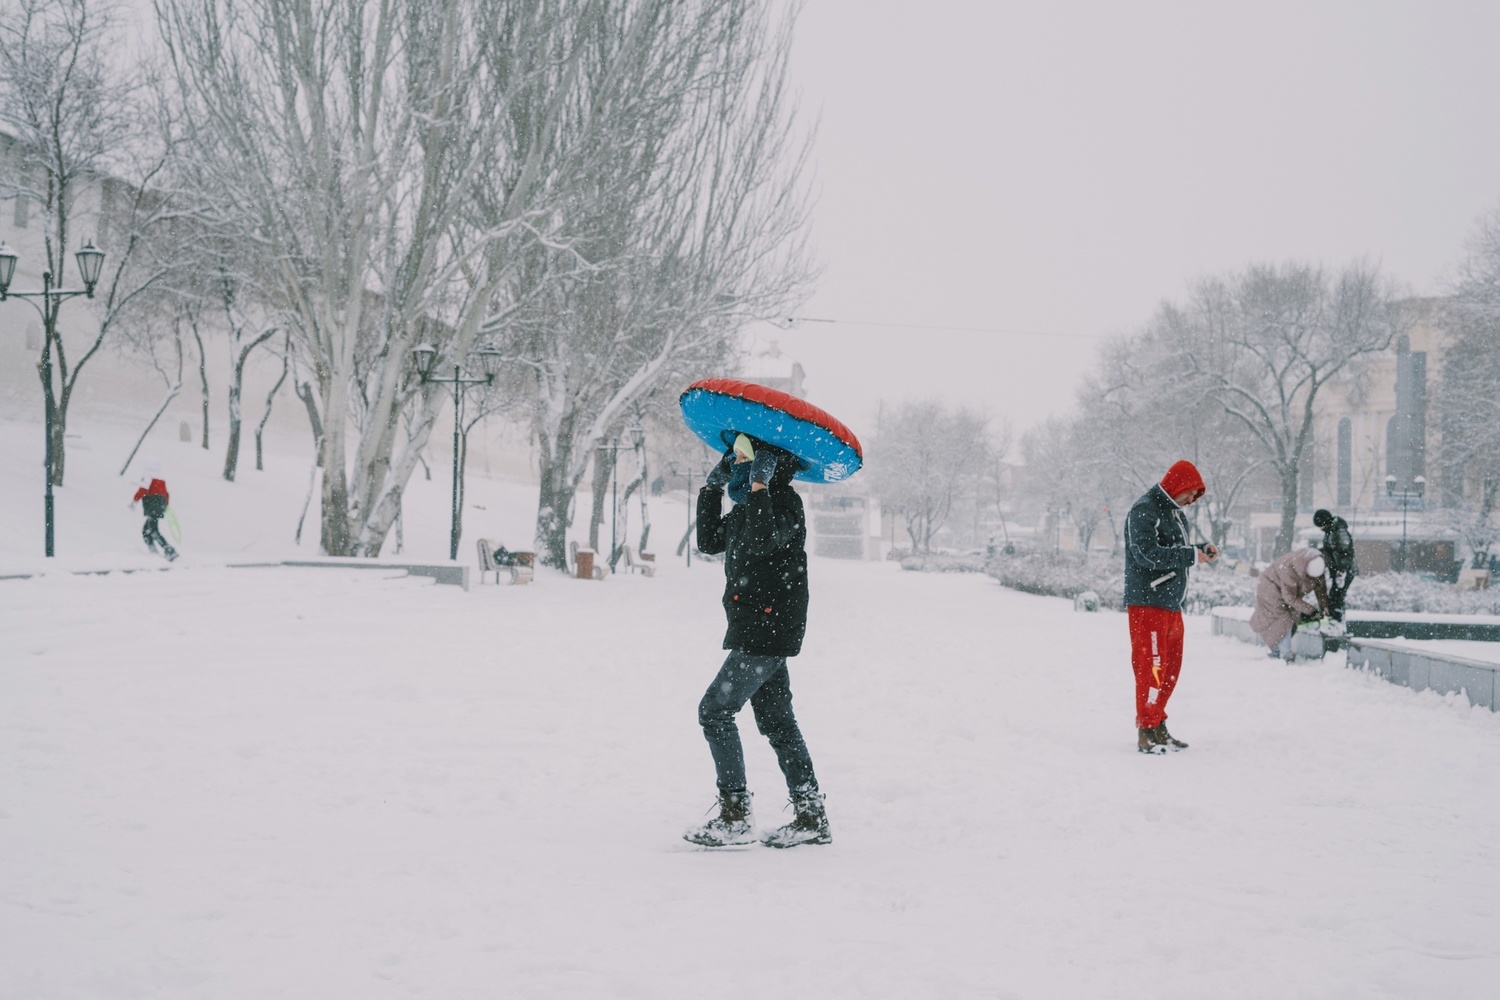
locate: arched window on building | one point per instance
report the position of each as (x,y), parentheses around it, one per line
(1345,463)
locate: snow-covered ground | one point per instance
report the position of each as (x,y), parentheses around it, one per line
(250,783)
(256,783)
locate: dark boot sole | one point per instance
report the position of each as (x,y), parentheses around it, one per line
(798,843)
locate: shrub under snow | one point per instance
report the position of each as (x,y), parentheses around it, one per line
(1068,576)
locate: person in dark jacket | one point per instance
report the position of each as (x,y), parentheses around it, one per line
(764,542)
(1338,551)
(1158,554)
(153,498)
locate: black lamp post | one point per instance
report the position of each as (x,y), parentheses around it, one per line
(425,357)
(1417,489)
(90,264)
(637,438)
(677,470)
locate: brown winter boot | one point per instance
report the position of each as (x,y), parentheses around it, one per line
(1145,741)
(1166,740)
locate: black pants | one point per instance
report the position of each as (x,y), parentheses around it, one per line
(764,682)
(151,532)
(1338,592)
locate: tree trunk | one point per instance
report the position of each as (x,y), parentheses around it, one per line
(232,452)
(236,390)
(334,534)
(1288,527)
(202,379)
(305,393)
(600,492)
(554,500)
(645,503)
(54,421)
(172,392)
(286,364)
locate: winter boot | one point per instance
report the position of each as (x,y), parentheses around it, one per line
(1166,740)
(808,826)
(731,826)
(1145,741)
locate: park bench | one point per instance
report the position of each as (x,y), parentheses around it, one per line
(522,571)
(644,564)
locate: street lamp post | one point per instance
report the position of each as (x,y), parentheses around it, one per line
(425,356)
(90,264)
(676,471)
(1417,489)
(637,437)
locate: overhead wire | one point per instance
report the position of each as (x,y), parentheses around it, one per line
(792,322)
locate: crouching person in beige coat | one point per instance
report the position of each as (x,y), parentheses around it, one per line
(1279,598)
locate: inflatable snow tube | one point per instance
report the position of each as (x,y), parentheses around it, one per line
(716,409)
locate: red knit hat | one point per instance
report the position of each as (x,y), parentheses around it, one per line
(1183,477)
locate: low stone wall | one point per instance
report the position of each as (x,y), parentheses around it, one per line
(450,573)
(1421,670)
(1235,623)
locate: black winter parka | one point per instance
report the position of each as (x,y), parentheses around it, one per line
(764,542)
(1157,552)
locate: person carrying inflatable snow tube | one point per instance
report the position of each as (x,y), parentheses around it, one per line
(763,539)
(1279,604)
(153,498)
(1158,555)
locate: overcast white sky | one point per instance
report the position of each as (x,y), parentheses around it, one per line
(1063,167)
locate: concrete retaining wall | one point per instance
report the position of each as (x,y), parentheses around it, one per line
(1423,671)
(1235,623)
(449,573)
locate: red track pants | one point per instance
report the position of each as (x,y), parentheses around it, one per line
(1156,658)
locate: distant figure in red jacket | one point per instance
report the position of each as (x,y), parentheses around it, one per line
(153,499)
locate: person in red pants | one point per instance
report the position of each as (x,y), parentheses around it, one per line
(1158,554)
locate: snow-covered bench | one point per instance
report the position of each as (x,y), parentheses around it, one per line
(644,564)
(521,571)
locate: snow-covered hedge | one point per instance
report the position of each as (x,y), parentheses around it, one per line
(944,564)
(1061,576)
(1409,592)
(1067,576)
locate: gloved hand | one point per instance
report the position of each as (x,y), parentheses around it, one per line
(763,467)
(718,478)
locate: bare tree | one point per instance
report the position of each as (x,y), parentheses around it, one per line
(87,153)
(260,428)
(340,141)
(681,234)
(925,459)
(164,355)
(1469,397)
(1266,341)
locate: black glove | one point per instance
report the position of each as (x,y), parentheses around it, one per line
(718,478)
(763,467)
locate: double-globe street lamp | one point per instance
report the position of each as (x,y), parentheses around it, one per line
(425,357)
(1417,489)
(90,265)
